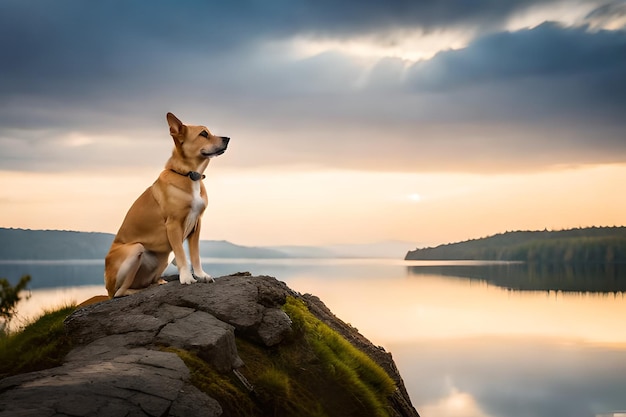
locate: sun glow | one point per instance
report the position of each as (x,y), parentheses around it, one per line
(456,404)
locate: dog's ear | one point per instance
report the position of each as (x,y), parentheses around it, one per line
(176,126)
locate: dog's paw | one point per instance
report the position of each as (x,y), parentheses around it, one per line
(204,277)
(186,278)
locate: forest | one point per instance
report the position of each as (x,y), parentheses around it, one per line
(582,245)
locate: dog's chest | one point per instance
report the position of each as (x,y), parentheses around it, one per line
(197,207)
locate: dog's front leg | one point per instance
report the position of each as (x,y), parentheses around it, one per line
(194,254)
(175,237)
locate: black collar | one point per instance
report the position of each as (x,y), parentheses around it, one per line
(193,175)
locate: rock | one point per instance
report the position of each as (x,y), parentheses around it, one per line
(115,382)
(275,325)
(123,360)
(241,301)
(201,333)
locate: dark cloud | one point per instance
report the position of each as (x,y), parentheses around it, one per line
(547,51)
(607,13)
(70,43)
(83,52)
(353,17)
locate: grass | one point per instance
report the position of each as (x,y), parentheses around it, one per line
(275,382)
(350,368)
(40,345)
(282,379)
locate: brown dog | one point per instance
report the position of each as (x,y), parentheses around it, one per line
(164,216)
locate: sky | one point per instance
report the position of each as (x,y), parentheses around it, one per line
(350,121)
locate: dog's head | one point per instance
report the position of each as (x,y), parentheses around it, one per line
(195,142)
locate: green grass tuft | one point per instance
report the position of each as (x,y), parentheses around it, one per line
(40,345)
(273,387)
(275,382)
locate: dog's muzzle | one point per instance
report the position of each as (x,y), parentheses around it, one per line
(221,150)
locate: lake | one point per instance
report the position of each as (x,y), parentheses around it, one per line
(471,339)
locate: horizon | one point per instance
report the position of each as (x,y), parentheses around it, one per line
(348,244)
(424,123)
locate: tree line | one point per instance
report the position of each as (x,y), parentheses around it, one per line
(586,245)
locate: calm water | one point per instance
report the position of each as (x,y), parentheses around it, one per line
(470,339)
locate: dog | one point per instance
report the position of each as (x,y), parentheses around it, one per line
(164,216)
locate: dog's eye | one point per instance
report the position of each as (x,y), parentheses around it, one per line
(204,133)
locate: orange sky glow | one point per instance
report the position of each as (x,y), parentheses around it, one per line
(268,207)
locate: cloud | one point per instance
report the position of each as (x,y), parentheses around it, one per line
(547,51)
(65,47)
(609,15)
(562,85)
(107,73)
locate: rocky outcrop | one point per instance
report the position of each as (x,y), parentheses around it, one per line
(125,358)
(199,318)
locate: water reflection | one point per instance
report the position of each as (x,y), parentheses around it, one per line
(52,274)
(511,377)
(35,302)
(401,310)
(536,277)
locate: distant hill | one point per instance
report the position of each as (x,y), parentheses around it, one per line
(24,244)
(18,244)
(584,245)
(386,249)
(225,249)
